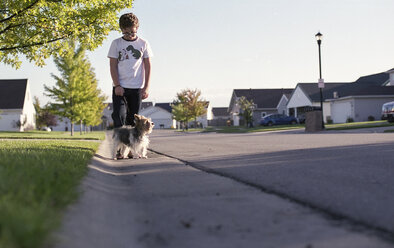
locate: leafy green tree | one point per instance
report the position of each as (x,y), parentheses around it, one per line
(188,106)
(92,111)
(181,113)
(37,28)
(43,116)
(246,108)
(76,94)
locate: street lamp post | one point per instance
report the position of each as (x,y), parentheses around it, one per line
(319,37)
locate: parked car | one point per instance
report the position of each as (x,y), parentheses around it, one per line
(278,119)
(301,118)
(48,129)
(388,111)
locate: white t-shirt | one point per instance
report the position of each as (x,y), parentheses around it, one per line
(130,56)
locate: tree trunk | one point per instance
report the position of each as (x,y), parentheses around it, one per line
(72,128)
(80,127)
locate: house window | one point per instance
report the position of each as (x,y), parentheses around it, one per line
(263,114)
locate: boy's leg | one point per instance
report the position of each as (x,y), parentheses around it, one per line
(116,114)
(133,98)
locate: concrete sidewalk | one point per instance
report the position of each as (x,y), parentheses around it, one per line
(161,202)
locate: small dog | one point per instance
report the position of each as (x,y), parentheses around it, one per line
(132,140)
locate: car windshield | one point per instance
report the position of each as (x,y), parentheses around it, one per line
(388,107)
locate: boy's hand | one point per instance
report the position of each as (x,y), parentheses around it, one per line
(119,91)
(144,94)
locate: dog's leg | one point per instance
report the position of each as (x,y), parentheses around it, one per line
(115,149)
(136,152)
(123,150)
(130,153)
(126,151)
(144,152)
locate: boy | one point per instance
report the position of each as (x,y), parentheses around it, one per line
(130,66)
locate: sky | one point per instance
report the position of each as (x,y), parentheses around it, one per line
(220,45)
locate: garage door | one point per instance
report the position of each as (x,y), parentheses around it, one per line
(340,111)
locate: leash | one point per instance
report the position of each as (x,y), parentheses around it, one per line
(127,107)
(125,102)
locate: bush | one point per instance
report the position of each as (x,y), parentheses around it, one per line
(329,120)
(371,118)
(349,119)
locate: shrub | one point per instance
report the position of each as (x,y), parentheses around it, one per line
(329,120)
(349,119)
(371,118)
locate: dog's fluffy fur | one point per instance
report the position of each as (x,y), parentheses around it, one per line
(132,140)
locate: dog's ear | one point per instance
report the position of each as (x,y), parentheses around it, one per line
(137,117)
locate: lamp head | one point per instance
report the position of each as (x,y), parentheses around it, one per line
(319,37)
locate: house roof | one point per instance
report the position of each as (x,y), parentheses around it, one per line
(12,93)
(263,98)
(377,79)
(165,106)
(146,104)
(366,85)
(313,91)
(223,111)
(354,89)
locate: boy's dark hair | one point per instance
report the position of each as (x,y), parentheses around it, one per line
(128,20)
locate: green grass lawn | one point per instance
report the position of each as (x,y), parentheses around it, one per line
(38,179)
(242,129)
(342,126)
(99,135)
(357,125)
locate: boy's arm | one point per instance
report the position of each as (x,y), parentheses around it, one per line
(147,68)
(113,65)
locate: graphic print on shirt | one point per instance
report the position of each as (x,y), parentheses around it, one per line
(136,54)
(124,54)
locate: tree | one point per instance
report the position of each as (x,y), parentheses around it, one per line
(37,28)
(188,105)
(44,118)
(246,108)
(91,111)
(180,113)
(76,94)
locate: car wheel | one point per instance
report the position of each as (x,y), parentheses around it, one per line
(270,123)
(293,122)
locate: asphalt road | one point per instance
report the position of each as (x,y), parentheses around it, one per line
(283,189)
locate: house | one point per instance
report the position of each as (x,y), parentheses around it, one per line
(160,114)
(360,100)
(203,119)
(220,116)
(17,111)
(307,95)
(267,101)
(363,99)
